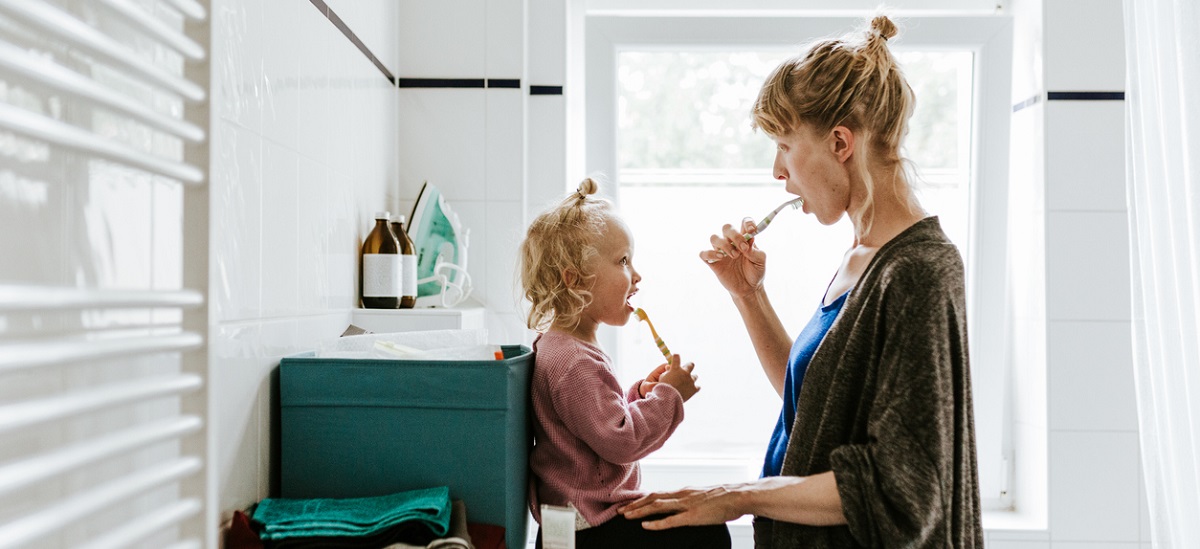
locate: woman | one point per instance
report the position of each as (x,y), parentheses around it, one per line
(875,445)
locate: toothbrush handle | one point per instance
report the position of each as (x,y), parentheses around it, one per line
(663,347)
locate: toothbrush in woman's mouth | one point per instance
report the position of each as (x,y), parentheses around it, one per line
(762,225)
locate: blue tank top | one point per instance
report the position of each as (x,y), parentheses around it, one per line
(801,354)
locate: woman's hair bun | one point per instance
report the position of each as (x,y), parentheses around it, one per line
(883,26)
(587,186)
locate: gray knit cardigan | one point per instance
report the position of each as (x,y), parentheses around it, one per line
(886,405)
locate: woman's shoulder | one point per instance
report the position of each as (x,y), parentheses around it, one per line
(921,260)
(921,248)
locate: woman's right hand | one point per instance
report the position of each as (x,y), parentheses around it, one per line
(739,265)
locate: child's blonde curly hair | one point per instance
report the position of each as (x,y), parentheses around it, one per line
(561,240)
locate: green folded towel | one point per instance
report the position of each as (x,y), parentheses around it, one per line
(290,518)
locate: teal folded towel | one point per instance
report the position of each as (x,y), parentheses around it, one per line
(290,518)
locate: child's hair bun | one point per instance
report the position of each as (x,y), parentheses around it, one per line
(586,187)
(883,27)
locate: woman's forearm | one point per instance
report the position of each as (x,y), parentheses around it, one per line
(767,334)
(811,500)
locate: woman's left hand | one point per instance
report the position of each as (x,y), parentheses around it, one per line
(690,506)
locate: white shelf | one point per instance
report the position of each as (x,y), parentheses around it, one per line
(467,317)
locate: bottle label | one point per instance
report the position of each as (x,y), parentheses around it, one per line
(408,270)
(381,275)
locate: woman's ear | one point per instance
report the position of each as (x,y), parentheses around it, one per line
(841,143)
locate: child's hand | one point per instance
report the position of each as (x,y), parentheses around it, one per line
(680,377)
(651,380)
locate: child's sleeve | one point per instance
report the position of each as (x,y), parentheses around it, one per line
(620,427)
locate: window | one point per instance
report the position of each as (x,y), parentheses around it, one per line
(667,118)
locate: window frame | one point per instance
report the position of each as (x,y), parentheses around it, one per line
(989,37)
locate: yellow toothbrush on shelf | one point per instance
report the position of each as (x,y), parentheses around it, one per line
(657,340)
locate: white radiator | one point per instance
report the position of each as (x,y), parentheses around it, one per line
(103,274)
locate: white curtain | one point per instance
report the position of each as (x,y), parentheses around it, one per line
(1162,49)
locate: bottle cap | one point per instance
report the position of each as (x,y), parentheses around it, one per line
(382,215)
(399,218)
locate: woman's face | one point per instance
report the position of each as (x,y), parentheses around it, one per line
(812,167)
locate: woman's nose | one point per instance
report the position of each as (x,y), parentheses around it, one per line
(778,170)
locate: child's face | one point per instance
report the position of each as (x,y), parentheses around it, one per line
(615,278)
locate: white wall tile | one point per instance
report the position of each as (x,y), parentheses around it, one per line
(312,254)
(441,140)
(505,49)
(505,230)
(547,42)
(236,197)
(1093,486)
(279,226)
(345,63)
(508,328)
(281,71)
(1087,266)
(313,95)
(474,216)
(445,39)
(546,153)
(343,241)
(505,144)
(237,57)
(1084,45)
(1091,376)
(1013,544)
(1085,155)
(236,378)
(1093,545)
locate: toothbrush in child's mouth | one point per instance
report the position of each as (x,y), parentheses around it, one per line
(657,340)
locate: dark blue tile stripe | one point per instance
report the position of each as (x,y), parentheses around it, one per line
(1085,96)
(440,83)
(545,90)
(504,83)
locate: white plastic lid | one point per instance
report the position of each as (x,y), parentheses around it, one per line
(383,215)
(398,218)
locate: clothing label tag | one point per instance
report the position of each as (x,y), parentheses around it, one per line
(558,527)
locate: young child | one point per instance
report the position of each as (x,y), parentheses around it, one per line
(577,272)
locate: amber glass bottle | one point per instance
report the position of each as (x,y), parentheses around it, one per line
(408,264)
(379,267)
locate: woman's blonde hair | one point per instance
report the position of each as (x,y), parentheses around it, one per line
(561,240)
(853,82)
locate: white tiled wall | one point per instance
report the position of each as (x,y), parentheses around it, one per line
(303,142)
(1089,424)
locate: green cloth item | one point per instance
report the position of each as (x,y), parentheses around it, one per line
(291,518)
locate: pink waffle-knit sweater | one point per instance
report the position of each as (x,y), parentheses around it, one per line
(589,434)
